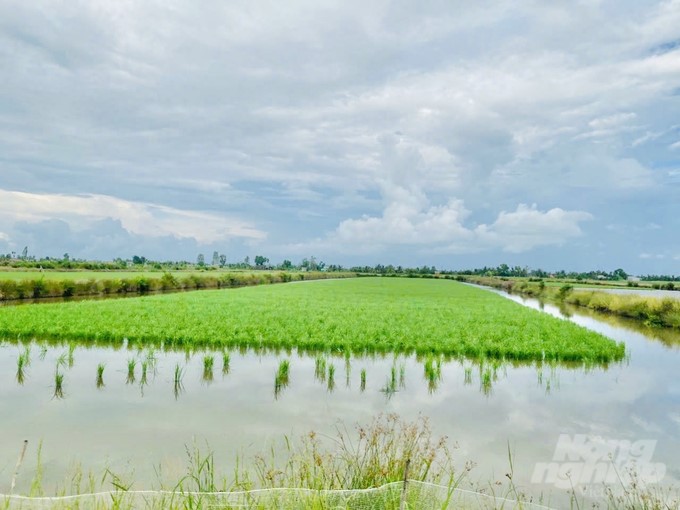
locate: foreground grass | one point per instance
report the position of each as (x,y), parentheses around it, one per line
(388,464)
(357,315)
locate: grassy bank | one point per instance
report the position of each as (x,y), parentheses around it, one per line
(388,464)
(33,285)
(355,315)
(650,310)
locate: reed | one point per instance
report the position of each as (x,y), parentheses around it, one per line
(372,455)
(369,456)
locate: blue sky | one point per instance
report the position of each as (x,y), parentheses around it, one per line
(454,134)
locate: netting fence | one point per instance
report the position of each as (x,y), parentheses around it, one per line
(408,495)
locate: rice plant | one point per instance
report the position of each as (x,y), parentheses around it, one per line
(152,360)
(62,360)
(368,315)
(58,384)
(468,376)
(362,386)
(390,387)
(226,363)
(131,365)
(486,381)
(143,378)
(320,368)
(282,377)
(178,387)
(23,361)
(433,373)
(100,376)
(71,352)
(208,362)
(331,378)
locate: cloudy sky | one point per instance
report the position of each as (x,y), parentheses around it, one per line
(445,133)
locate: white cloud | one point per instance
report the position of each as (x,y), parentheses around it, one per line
(146,219)
(648,136)
(527,227)
(409,219)
(385,122)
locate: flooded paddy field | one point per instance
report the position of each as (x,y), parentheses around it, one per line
(134,409)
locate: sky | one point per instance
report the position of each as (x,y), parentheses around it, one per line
(447,133)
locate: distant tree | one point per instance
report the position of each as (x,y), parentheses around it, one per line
(200,260)
(24,253)
(503,270)
(215,259)
(260,261)
(246,261)
(66,257)
(286,264)
(138,261)
(119,263)
(619,274)
(223,260)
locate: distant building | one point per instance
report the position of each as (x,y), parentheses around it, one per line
(633,278)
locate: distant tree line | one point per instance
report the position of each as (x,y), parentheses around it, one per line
(517,271)
(220,261)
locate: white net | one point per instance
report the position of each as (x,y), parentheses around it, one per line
(394,496)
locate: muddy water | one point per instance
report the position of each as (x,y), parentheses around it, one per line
(143,426)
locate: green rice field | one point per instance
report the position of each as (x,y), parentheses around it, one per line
(358,315)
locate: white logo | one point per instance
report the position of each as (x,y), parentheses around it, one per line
(584,460)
